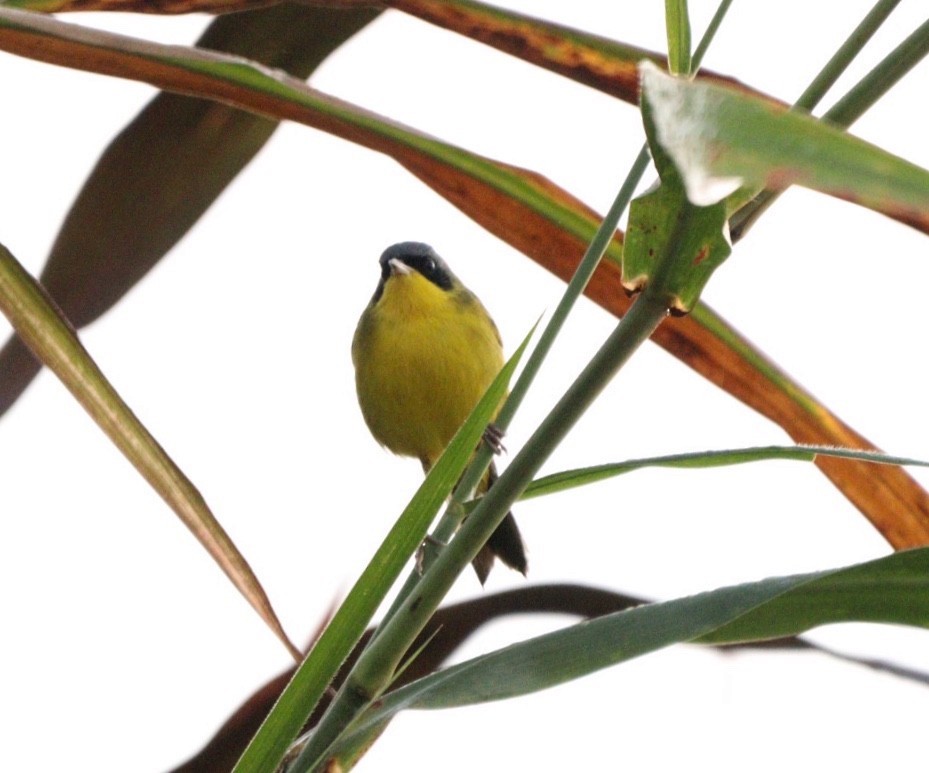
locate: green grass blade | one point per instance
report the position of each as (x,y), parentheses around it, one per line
(894,589)
(569,479)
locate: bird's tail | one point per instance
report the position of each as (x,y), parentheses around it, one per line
(505,543)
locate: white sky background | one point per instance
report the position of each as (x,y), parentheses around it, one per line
(124,647)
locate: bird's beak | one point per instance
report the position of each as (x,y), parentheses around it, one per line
(399,267)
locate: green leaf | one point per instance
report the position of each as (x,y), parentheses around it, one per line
(721,139)
(860,98)
(562,481)
(894,589)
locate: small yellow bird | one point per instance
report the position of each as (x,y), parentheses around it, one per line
(425,351)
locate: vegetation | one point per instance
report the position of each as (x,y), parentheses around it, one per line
(724,152)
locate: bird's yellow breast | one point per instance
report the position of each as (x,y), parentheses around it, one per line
(423,358)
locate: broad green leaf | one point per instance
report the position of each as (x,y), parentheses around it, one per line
(894,589)
(720,139)
(522,208)
(317,671)
(890,590)
(39,323)
(165,168)
(563,481)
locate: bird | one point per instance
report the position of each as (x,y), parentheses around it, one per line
(425,350)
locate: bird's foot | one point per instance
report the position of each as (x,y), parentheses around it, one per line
(493,437)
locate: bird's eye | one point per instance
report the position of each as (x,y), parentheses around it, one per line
(428,266)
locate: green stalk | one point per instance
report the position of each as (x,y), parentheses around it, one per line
(376,666)
(881,79)
(677,25)
(573,291)
(842,58)
(712,28)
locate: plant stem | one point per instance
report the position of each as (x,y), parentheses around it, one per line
(881,78)
(840,60)
(712,28)
(585,269)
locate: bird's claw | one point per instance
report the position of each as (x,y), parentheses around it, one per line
(493,437)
